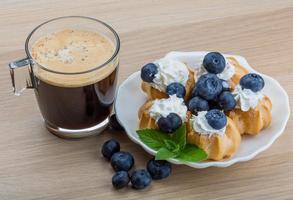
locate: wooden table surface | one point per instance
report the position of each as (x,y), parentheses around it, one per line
(35,164)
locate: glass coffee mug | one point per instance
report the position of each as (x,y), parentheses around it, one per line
(74,101)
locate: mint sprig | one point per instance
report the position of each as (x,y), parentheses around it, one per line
(152,138)
(171,145)
(164,154)
(192,153)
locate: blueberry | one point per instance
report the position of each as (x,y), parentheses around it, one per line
(170,123)
(216,119)
(253,82)
(140,179)
(176,88)
(109,148)
(225,85)
(197,104)
(165,125)
(114,124)
(120,179)
(122,161)
(148,72)
(209,86)
(214,62)
(159,169)
(227,101)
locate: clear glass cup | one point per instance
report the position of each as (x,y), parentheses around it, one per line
(73,110)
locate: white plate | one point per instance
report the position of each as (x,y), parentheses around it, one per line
(130,97)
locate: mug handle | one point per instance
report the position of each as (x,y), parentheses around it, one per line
(24,79)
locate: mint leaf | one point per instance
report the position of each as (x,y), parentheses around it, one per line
(180,136)
(170,145)
(153,138)
(192,153)
(164,154)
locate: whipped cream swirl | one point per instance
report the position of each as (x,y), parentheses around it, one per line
(246,98)
(163,107)
(200,124)
(169,71)
(226,75)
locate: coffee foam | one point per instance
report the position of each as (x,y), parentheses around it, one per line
(73,51)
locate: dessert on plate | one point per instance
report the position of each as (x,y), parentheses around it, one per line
(164,76)
(155,114)
(253,110)
(209,128)
(222,103)
(215,133)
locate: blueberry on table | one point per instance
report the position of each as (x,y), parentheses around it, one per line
(148,72)
(109,148)
(209,86)
(227,101)
(159,169)
(216,119)
(197,104)
(176,88)
(252,81)
(214,62)
(114,124)
(140,179)
(170,123)
(120,179)
(122,161)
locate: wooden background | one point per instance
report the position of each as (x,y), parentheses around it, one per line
(37,165)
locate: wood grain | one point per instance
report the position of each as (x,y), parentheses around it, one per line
(37,165)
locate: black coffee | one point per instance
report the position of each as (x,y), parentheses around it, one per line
(77,107)
(73,92)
